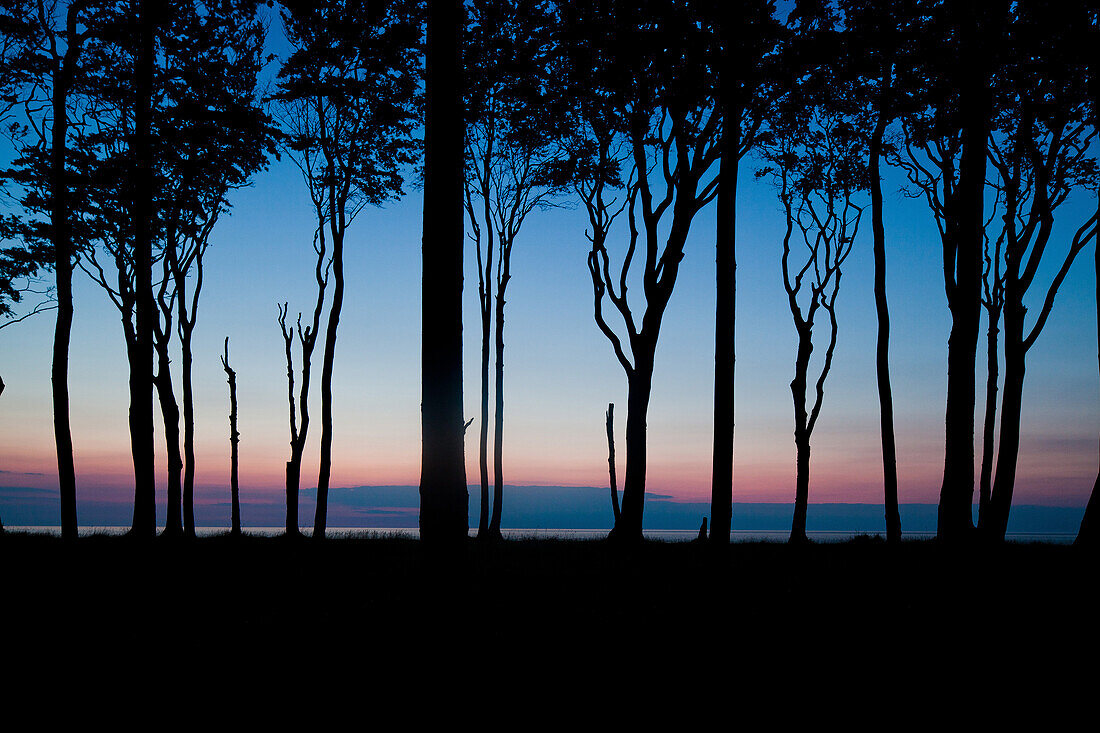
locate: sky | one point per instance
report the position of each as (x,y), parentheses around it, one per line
(560,372)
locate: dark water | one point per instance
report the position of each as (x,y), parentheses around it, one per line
(668,535)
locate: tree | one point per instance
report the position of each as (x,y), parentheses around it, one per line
(234,440)
(944,156)
(352,85)
(1041,156)
(48,53)
(878,39)
(815,155)
(511,166)
(209,136)
(748,33)
(444,500)
(217,139)
(638,71)
(307,340)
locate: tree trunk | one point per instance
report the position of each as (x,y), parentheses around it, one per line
(1000,501)
(801,437)
(443,496)
(485,304)
(63,270)
(170,411)
(293,477)
(234,439)
(721,489)
(957,491)
(483,445)
(503,276)
(141,361)
(639,387)
(882,346)
(188,432)
(989,428)
(611,459)
(320,517)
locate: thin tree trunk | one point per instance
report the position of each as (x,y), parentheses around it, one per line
(801,438)
(320,517)
(485,303)
(1000,502)
(170,411)
(611,459)
(882,346)
(639,388)
(188,431)
(234,439)
(503,276)
(721,491)
(141,362)
(63,270)
(989,429)
(444,498)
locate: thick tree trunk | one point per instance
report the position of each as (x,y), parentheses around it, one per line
(63,271)
(721,488)
(170,411)
(188,433)
(801,437)
(443,496)
(320,517)
(234,439)
(957,492)
(141,361)
(989,426)
(882,346)
(639,387)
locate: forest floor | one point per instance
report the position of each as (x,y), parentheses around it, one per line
(563,614)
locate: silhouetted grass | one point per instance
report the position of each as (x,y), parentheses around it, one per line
(591,606)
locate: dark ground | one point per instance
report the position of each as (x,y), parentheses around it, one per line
(558,622)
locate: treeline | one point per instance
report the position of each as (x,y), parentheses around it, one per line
(134,122)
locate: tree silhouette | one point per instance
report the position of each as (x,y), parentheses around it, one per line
(209,137)
(944,156)
(1040,156)
(815,155)
(234,440)
(511,151)
(878,39)
(748,32)
(350,88)
(644,99)
(444,500)
(49,51)
(307,340)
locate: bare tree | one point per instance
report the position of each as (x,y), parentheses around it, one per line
(234,440)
